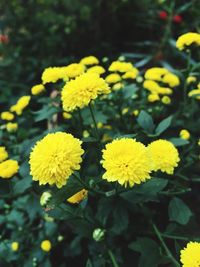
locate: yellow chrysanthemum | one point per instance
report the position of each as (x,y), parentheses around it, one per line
(184,134)
(45,197)
(191,79)
(96,69)
(8,168)
(151,86)
(78,197)
(66,115)
(126,161)
(155,73)
(46,245)
(7,116)
(53,74)
(14,246)
(131,74)
(54,158)
(190,256)
(90,60)
(171,79)
(79,92)
(37,89)
(164,156)
(119,66)
(11,127)
(188,39)
(117,86)
(113,78)
(153,97)
(3,153)
(73,70)
(135,112)
(195,93)
(21,104)
(166,100)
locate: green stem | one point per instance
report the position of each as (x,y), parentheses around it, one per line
(185,84)
(175,237)
(112,258)
(95,123)
(168,252)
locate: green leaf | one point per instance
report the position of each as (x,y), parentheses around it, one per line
(120,225)
(146,122)
(163,125)
(45,113)
(179,141)
(150,252)
(22,185)
(147,191)
(178,211)
(130,90)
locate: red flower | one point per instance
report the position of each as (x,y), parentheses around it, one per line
(177,19)
(163,15)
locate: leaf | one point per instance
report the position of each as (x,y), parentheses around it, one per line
(149,249)
(130,90)
(163,125)
(145,192)
(179,141)
(178,211)
(120,225)
(22,185)
(89,263)
(45,113)
(146,122)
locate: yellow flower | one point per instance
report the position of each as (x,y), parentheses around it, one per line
(166,100)
(194,93)
(3,153)
(124,111)
(190,256)
(198,142)
(90,60)
(8,168)
(171,79)
(117,86)
(96,69)
(79,92)
(135,112)
(86,134)
(126,161)
(14,246)
(67,115)
(153,97)
(73,70)
(155,73)
(191,79)
(184,134)
(152,86)
(164,156)
(131,74)
(113,78)
(121,66)
(188,39)
(53,74)
(45,197)
(54,158)
(37,89)
(11,127)
(21,104)
(45,245)
(7,116)
(78,197)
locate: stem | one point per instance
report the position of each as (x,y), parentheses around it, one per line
(168,252)
(185,84)
(112,258)
(95,123)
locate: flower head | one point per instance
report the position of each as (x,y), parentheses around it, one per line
(21,104)
(166,100)
(132,74)
(11,127)
(96,69)
(73,70)
(8,168)
(90,60)
(7,116)
(190,256)
(79,92)
(113,78)
(14,246)
(3,153)
(46,245)
(54,158)
(78,197)
(126,161)
(53,74)
(164,156)
(119,66)
(37,89)
(188,39)
(185,134)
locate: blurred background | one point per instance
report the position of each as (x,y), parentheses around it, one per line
(35,34)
